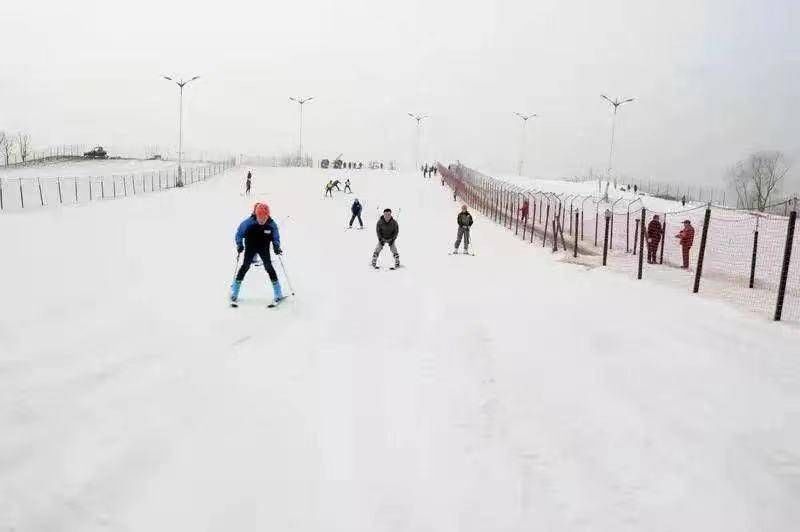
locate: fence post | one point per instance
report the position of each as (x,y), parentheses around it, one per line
(699,272)
(575,244)
(516,231)
(753,259)
(605,238)
(663,238)
(635,234)
(546,221)
(533,220)
(581,222)
(596,223)
(21,195)
(555,234)
(91,192)
(628,233)
(76,189)
(60,197)
(641,243)
(125,184)
(114,182)
(41,196)
(103,187)
(1,193)
(787,257)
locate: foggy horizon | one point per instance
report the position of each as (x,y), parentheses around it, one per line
(713,81)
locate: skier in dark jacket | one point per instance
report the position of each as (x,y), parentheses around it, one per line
(387,230)
(464,221)
(335,184)
(653,239)
(347,187)
(356,210)
(253,237)
(248,183)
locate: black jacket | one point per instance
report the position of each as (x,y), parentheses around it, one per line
(356,208)
(464,219)
(387,231)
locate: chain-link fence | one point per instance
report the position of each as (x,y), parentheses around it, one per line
(750,258)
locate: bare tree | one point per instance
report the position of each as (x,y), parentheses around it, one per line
(6,146)
(758,178)
(24,145)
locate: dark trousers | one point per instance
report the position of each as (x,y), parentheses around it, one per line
(337,188)
(347,188)
(652,252)
(352,218)
(249,255)
(685,250)
(329,192)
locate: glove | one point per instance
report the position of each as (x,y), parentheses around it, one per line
(278,251)
(239,248)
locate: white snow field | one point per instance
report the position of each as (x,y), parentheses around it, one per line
(502,392)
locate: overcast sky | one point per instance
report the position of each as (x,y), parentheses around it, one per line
(713,79)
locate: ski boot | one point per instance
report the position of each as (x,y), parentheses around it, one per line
(235,287)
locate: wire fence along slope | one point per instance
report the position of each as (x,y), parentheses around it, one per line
(749,258)
(22,193)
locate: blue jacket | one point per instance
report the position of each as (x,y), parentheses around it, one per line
(255,236)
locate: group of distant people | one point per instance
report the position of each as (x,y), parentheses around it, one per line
(334,183)
(429,171)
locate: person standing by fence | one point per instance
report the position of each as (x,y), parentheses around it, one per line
(523,211)
(653,239)
(686,239)
(464,221)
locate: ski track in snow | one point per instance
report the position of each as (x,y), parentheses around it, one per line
(506,391)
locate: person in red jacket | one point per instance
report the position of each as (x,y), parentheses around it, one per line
(523,211)
(686,238)
(653,239)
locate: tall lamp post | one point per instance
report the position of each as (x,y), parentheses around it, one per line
(301,101)
(181,84)
(615,104)
(525,119)
(419,119)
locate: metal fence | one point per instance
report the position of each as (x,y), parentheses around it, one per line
(745,257)
(21,193)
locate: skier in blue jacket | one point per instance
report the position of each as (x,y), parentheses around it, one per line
(356,210)
(253,237)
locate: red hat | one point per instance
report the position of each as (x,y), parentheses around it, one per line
(261,210)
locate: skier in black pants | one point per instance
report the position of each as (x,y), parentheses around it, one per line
(387,230)
(253,237)
(464,220)
(336,185)
(347,187)
(356,210)
(247,183)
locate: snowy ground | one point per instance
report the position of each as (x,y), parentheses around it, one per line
(505,391)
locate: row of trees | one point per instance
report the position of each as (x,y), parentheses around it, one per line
(8,143)
(758,179)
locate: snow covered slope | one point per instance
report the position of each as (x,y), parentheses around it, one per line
(505,391)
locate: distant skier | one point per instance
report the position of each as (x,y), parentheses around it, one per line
(355,209)
(329,189)
(387,230)
(635,189)
(686,239)
(347,187)
(435,170)
(683,200)
(335,184)
(653,239)
(464,221)
(253,237)
(248,183)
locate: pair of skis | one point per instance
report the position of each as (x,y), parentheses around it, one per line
(235,304)
(465,253)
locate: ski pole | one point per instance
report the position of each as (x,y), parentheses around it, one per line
(289,282)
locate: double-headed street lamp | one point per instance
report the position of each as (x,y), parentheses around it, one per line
(301,101)
(181,84)
(525,119)
(419,119)
(614,103)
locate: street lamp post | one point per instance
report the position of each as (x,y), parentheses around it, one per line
(419,119)
(614,103)
(525,119)
(301,101)
(181,84)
